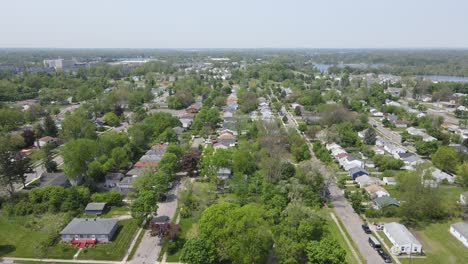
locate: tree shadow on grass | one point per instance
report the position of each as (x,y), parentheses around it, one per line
(6,249)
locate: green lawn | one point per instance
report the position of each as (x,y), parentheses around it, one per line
(21,236)
(439,245)
(135,247)
(116,249)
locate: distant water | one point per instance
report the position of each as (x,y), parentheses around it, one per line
(444,78)
(323,67)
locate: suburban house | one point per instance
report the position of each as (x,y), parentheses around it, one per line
(395,91)
(460,231)
(389,180)
(194,108)
(385,201)
(351,162)
(44,141)
(186,120)
(439,176)
(97,229)
(464,198)
(125,186)
(366,180)
(224,173)
(401,123)
(410,159)
(375,191)
(95,208)
(227,139)
(112,179)
(402,239)
(393,149)
(378,150)
(357,172)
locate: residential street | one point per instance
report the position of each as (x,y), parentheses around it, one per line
(149,248)
(351,221)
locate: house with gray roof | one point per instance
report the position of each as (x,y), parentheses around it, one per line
(99,229)
(385,201)
(460,232)
(402,239)
(357,172)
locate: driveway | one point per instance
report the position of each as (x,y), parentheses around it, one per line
(149,248)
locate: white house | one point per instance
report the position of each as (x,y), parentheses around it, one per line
(366,180)
(389,181)
(375,191)
(394,149)
(44,141)
(402,239)
(439,176)
(460,231)
(378,150)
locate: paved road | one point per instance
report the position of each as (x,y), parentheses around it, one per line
(149,248)
(387,133)
(352,222)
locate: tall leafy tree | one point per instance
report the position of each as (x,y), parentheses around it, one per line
(77,155)
(50,128)
(326,251)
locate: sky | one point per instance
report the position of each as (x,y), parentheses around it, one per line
(233,24)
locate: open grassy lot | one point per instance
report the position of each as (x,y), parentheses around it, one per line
(116,249)
(23,236)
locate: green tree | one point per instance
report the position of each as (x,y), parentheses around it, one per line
(50,128)
(77,155)
(326,251)
(370,136)
(144,205)
(462,174)
(426,148)
(446,159)
(76,126)
(198,251)
(111,119)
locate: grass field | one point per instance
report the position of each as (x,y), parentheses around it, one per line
(21,236)
(116,249)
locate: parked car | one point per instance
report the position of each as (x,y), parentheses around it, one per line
(379,226)
(366,229)
(374,242)
(384,255)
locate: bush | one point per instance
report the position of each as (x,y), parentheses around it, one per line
(110,198)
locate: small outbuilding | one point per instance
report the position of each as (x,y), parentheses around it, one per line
(95,208)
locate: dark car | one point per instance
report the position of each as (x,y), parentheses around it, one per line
(366,229)
(384,255)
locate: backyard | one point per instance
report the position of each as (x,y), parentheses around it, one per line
(25,236)
(117,248)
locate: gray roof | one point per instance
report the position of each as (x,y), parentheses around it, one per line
(90,226)
(135,171)
(95,206)
(462,228)
(385,201)
(357,169)
(401,234)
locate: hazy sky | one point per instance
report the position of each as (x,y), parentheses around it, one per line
(234,24)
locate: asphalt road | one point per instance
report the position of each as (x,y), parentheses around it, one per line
(149,248)
(351,221)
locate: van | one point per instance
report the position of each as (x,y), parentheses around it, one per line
(374,242)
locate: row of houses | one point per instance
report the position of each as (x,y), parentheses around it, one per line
(149,161)
(354,166)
